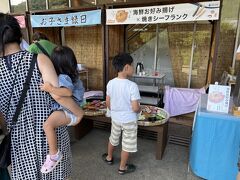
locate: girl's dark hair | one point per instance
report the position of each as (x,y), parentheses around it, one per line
(10,31)
(37,36)
(65,62)
(121,60)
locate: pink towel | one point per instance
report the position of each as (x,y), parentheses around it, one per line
(179,101)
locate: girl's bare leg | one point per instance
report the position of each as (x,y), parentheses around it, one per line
(71,105)
(56,119)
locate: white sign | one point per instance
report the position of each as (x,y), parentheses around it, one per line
(69,19)
(165,14)
(218,98)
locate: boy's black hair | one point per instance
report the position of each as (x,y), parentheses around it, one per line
(121,60)
(10,31)
(65,62)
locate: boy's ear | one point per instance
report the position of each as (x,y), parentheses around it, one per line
(125,67)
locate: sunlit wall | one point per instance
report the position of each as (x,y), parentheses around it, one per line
(4,6)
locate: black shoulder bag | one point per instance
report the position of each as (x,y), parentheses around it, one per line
(5,146)
(42,49)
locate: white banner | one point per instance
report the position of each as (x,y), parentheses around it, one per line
(69,19)
(165,14)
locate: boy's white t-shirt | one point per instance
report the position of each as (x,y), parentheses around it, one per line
(122,92)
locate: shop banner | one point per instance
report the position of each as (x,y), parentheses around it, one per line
(165,14)
(69,19)
(21,21)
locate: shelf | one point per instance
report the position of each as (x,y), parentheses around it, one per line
(151,89)
(149,100)
(158,81)
(160,76)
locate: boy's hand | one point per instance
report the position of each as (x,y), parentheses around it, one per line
(47,87)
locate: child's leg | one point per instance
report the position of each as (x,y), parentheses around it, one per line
(124,159)
(113,139)
(56,119)
(72,106)
(74,120)
(129,142)
(110,151)
(238,176)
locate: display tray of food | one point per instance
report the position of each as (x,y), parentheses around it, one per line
(95,108)
(152,116)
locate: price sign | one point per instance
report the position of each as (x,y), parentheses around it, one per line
(218,98)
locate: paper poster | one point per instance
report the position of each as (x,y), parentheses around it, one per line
(164,14)
(218,98)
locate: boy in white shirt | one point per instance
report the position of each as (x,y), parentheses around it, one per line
(123,101)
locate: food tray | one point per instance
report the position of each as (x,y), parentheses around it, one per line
(95,108)
(146,122)
(94,113)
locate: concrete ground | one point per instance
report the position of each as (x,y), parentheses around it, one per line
(88,165)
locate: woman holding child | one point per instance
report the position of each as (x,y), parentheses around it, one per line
(29,144)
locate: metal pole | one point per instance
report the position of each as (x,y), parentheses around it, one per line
(236,41)
(10,7)
(27,5)
(192,53)
(47,4)
(156,49)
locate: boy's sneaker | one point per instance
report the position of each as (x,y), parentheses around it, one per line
(104,158)
(50,162)
(129,168)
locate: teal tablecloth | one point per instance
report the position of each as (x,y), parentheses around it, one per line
(215,144)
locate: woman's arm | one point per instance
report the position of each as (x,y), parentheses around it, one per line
(59,91)
(49,75)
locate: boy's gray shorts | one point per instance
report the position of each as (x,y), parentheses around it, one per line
(129,135)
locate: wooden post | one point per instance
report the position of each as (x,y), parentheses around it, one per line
(75,3)
(105,51)
(214,49)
